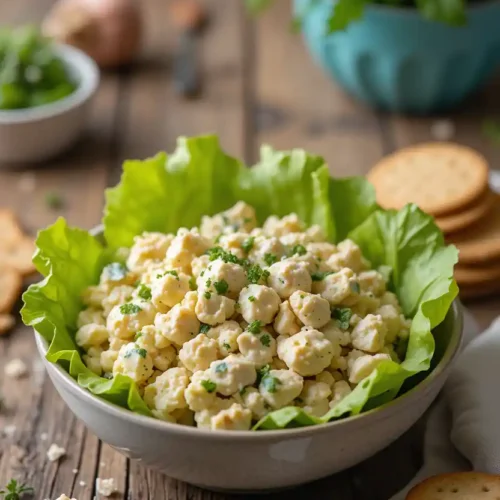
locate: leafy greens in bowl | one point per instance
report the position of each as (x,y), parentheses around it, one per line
(168,192)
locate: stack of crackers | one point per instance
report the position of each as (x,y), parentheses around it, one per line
(16,251)
(450,182)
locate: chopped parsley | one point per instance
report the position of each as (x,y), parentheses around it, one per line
(54,200)
(262,372)
(173,273)
(144,292)
(15,490)
(251,298)
(320,276)
(221,368)
(204,328)
(247,245)
(354,286)
(221,287)
(255,326)
(343,316)
(138,350)
(192,283)
(265,340)
(219,253)
(208,283)
(208,385)
(302,296)
(130,308)
(115,271)
(255,274)
(138,335)
(270,383)
(298,250)
(207,295)
(226,346)
(270,259)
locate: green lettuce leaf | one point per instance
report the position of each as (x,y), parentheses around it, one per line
(171,191)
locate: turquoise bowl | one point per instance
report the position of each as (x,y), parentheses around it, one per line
(396,60)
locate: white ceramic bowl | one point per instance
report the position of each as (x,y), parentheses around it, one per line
(37,134)
(245,460)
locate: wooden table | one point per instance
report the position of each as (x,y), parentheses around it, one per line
(260,85)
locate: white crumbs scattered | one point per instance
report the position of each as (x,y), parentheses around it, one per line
(15,368)
(55,452)
(9,430)
(44,436)
(75,471)
(103,464)
(443,130)
(105,487)
(63,497)
(82,483)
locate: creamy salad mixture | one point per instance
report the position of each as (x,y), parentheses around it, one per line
(222,324)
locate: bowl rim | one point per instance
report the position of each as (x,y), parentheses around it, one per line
(452,350)
(86,88)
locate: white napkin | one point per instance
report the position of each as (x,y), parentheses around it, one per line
(463,427)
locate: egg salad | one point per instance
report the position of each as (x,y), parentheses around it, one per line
(222,324)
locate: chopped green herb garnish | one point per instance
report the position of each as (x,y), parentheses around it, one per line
(221,368)
(208,385)
(54,200)
(270,259)
(320,276)
(354,286)
(138,335)
(115,271)
(226,220)
(219,253)
(265,340)
(159,275)
(192,283)
(242,391)
(173,273)
(221,287)
(226,346)
(130,308)
(262,372)
(144,292)
(207,295)
(255,274)
(251,298)
(255,326)
(208,283)
(138,350)
(247,245)
(202,274)
(204,328)
(15,490)
(270,383)
(343,316)
(302,296)
(298,250)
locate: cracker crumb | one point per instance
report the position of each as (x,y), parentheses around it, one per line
(44,436)
(63,497)
(82,483)
(103,464)
(443,130)
(9,430)
(55,452)
(105,487)
(75,471)
(16,368)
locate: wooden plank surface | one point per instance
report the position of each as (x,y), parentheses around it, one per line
(260,85)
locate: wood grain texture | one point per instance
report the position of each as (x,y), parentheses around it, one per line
(259,85)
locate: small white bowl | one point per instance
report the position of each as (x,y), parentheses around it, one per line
(242,461)
(37,134)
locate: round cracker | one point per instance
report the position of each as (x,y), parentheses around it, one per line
(10,230)
(7,322)
(439,177)
(19,256)
(11,284)
(458,486)
(472,214)
(480,243)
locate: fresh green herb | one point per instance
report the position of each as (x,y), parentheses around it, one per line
(138,350)
(262,372)
(343,316)
(247,245)
(270,383)
(265,340)
(202,273)
(354,286)
(204,328)
(218,238)
(159,275)
(255,274)
(226,346)
(302,296)
(320,276)
(207,295)
(221,368)
(144,292)
(270,259)
(15,490)
(208,283)
(115,271)
(208,385)
(192,283)
(255,326)
(221,287)
(219,253)
(138,335)
(130,308)
(251,298)
(173,273)
(298,250)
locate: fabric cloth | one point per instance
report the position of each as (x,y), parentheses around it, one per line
(463,427)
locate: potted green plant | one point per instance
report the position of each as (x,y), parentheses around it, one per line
(416,56)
